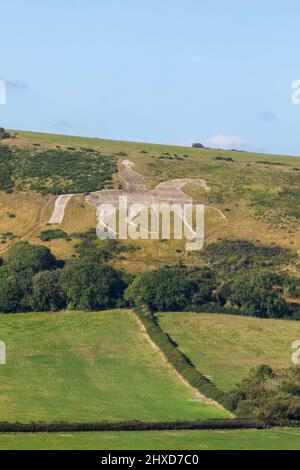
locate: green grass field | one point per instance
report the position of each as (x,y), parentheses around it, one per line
(88,367)
(225,347)
(271,439)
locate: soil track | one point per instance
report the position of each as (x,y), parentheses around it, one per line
(38,224)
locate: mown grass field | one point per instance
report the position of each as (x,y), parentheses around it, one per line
(271,439)
(87,367)
(225,347)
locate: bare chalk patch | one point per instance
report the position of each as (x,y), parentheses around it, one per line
(59,209)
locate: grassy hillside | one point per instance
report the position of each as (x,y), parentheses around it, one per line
(259,194)
(271,439)
(225,347)
(88,367)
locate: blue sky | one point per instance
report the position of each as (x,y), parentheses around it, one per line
(164,71)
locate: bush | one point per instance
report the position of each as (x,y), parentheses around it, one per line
(15,289)
(34,258)
(48,294)
(22,263)
(225,159)
(48,235)
(258,294)
(267,396)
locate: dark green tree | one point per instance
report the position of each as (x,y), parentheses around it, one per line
(34,258)
(172,288)
(259,294)
(47,293)
(92,286)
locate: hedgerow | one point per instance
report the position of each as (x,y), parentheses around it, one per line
(178,360)
(128,426)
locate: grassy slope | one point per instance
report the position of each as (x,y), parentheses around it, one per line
(88,367)
(225,347)
(272,439)
(259,200)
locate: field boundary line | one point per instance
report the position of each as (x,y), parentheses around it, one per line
(180,363)
(200,397)
(134,426)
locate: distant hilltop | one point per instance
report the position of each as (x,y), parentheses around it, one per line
(198,146)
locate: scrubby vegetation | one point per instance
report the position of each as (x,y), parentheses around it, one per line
(268,188)
(7,236)
(54,234)
(6,182)
(268,395)
(225,159)
(4,134)
(229,257)
(55,171)
(180,289)
(256,293)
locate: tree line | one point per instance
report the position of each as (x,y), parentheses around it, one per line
(32,279)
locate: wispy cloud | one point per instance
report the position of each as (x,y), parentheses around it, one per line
(61,124)
(15,85)
(268,116)
(220,141)
(227,142)
(198,60)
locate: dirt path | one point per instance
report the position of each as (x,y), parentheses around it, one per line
(38,223)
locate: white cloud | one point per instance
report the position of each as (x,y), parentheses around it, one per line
(226,142)
(198,60)
(268,116)
(219,141)
(62,124)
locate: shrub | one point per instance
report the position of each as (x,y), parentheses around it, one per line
(34,258)
(48,294)
(172,289)
(90,286)
(48,235)
(225,159)
(268,396)
(15,289)
(258,294)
